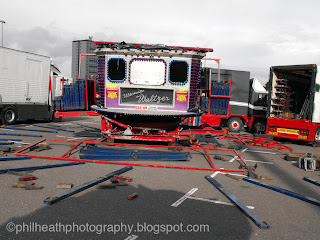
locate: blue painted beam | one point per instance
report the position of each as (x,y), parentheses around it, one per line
(255,218)
(94,128)
(312,181)
(13,158)
(7,143)
(8,139)
(30,130)
(98,151)
(283,191)
(58,129)
(84,186)
(39,167)
(135,157)
(20,135)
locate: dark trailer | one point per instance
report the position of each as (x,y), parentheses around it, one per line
(233,100)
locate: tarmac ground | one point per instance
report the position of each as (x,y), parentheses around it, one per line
(171,203)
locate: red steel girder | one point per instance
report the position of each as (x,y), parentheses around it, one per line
(66,156)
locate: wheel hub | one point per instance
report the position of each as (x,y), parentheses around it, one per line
(9,116)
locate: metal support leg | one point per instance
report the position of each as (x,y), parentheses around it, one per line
(255,218)
(84,186)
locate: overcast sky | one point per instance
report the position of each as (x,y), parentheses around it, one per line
(248,35)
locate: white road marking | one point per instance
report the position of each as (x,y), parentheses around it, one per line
(234,158)
(74,138)
(216,201)
(234,174)
(183,198)
(192,191)
(261,152)
(214,174)
(132,237)
(258,161)
(19,142)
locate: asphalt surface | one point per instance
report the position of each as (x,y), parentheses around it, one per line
(108,214)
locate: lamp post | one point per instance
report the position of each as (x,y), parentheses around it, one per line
(2,22)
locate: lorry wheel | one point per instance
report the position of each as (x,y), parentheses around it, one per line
(258,126)
(235,124)
(10,115)
(56,119)
(317,135)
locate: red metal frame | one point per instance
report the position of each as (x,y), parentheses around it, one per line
(94,88)
(208,130)
(218,62)
(111,132)
(66,156)
(256,141)
(50,90)
(86,91)
(82,55)
(300,129)
(62,85)
(76,114)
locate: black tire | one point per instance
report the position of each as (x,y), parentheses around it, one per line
(317,135)
(55,119)
(59,119)
(235,124)
(10,115)
(258,126)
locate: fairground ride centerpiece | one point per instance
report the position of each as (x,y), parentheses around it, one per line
(148,86)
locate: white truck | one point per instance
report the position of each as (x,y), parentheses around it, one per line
(26,81)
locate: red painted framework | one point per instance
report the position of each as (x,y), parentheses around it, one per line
(76,114)
(273,124)
(109,131)
(256,141)
(66,155)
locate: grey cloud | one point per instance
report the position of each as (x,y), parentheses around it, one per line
(39,40)
(45,42)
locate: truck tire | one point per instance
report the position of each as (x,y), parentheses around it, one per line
(258,126)
(235,124)
(56,119)
(317,135)
(10,115)
(59,119)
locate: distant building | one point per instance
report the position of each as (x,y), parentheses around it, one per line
(88,63)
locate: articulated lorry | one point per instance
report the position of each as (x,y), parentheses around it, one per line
(32,87)
(26,81)
(232,100)
(294,102)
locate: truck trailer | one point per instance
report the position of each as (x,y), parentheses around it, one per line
(25,85)
(294,102)
(233,100)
